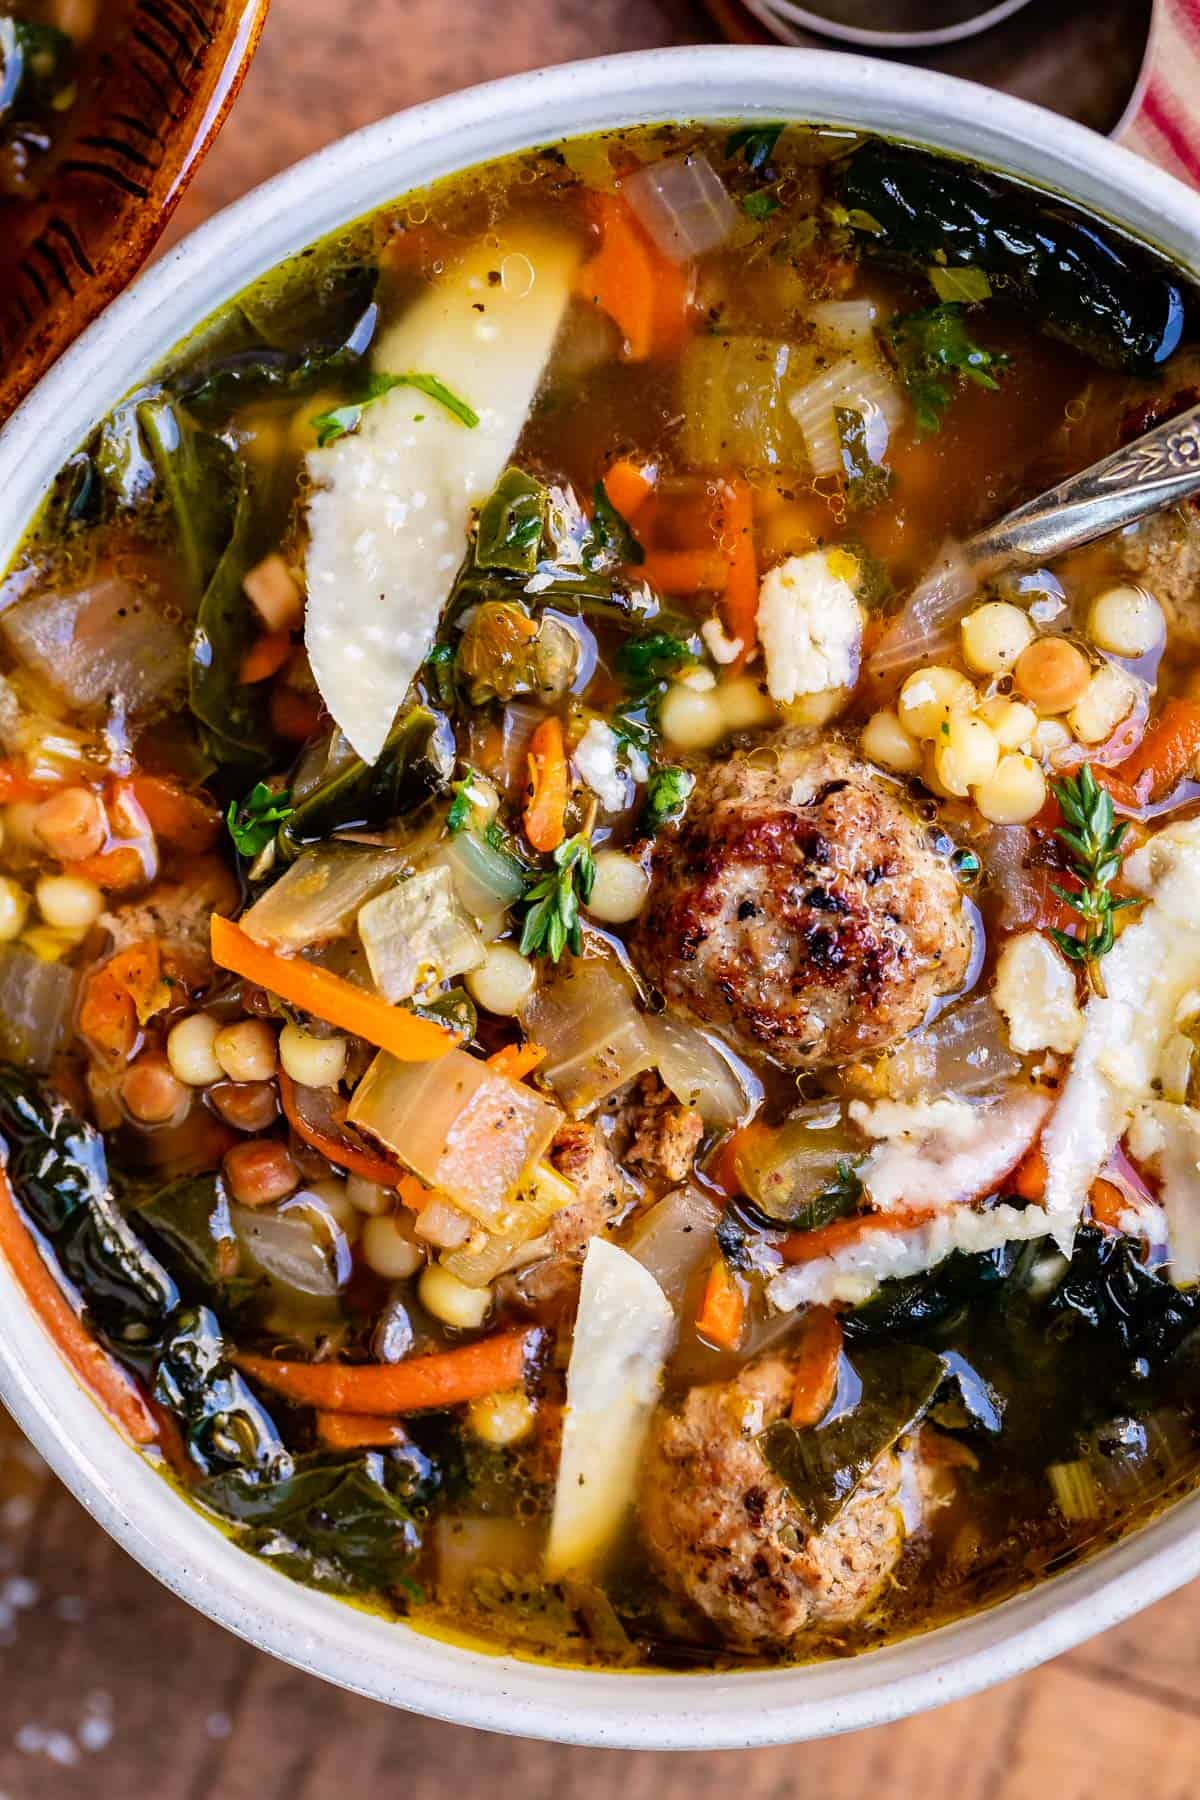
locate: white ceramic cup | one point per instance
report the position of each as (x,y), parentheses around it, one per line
(387,1660)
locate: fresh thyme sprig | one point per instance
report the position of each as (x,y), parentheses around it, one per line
(1094,841)
(552,921)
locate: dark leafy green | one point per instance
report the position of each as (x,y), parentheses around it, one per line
(512,523)
(644,661)
(1109,1292)
(189,1219)
(415,763)
(921,1303)
(458,815)
(760,204)
(610,542)
(261,369)
(823,1465)
(224,1426)
(935,353)
(754,143)
(835,1201)
(1078,279)
(336,423)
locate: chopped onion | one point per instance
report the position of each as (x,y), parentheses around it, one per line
(487,880)
(624,1331)
(683,204)
(849,321)
(1006,860)
(518,722)
(416,933)
(468,1132)
(700,1074)
(594,1036)
(546,1193)
(465,1548)
(318,898)
(926,627)
(861,386)
(36,1002)
(964,1051)
(674,1237)
(112,637)
(789,1169)
(299,1244)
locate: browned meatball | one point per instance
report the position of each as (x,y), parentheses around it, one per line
(728,1536)
(801,909)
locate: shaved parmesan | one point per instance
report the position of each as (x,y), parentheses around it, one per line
(945,1153)
(390,505)
(624,1332)
(1148,973)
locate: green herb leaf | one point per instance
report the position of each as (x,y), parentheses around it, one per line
(836,1200)
(440,663)
(610,540)
(755,143)
(459,814)
(966,284)
(330,426)
(512,522)
(254,823)
(552,922)
(643,661)
(1093,840)
(935,353)
(867,482)
(760,204)
(667,795)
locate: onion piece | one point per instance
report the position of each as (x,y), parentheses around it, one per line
(1006,859)
(700,1074)
(926,627)
(465,1130)
(683,204)
(487,880)
(624,1331)
(36,1002)
(854,383)
(674,1237)
(319,896)
(547,1193)
(114,637)
(593,1034)
(416,933)
(849,321)
(299,1244)
(964,1051)
(787,1171)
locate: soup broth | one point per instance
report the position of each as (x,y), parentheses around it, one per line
(603,1068)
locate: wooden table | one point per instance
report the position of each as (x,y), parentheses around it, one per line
(109,1687)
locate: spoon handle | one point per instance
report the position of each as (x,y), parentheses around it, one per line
(1142,477)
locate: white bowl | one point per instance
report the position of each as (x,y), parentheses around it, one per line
(390,1661)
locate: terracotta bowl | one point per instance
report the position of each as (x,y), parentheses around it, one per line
(155,80)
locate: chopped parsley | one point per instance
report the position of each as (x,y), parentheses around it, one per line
(642,662)
(935,353)
(254,823)
(667,794)
(760,204)
(459,815)
(332,425)
(552,919)
(440,663)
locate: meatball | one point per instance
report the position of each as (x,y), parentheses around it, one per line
(728,1536)
(801,908)
(1163,552)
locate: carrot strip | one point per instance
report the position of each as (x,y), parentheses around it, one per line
(1121,791)
(736,525)
(333,1147)
(629,485)
(816,1362)
(679,573)
(517,1060)
(723,1167)
(1166,753)
(723,1307)
(647,296)
(403,1034)
(180,818)
(265,657)
(358,1431)
(446,1379)
(120,996)
(124,866)
(16,783)
(1108,1203)
(549,787)
(827,1240)
(96,1369)
(1029,1179)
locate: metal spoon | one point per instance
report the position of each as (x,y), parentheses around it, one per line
(1146,476)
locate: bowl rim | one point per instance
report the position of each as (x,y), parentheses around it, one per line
(341,1643)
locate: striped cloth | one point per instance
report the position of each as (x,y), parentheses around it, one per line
(1162,121)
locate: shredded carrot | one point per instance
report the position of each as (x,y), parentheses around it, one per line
(294,716)
(1121,791)
(334,1147)
(124,866)
(647,296)
(1166,753)
(265,657)
(517,1060)
(187,821)
(358,1431)
(723,1307)
(629,485)
(735,522)
(1029,1178)
(447,1379)
(549,787)
(16,783)
(724,1165)
(827,1240)
(816,1361)
(1108,1203)
(403,1034)
(120,996)
(93,1365)
(683,572)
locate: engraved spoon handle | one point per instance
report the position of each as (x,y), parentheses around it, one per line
(1143,477)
